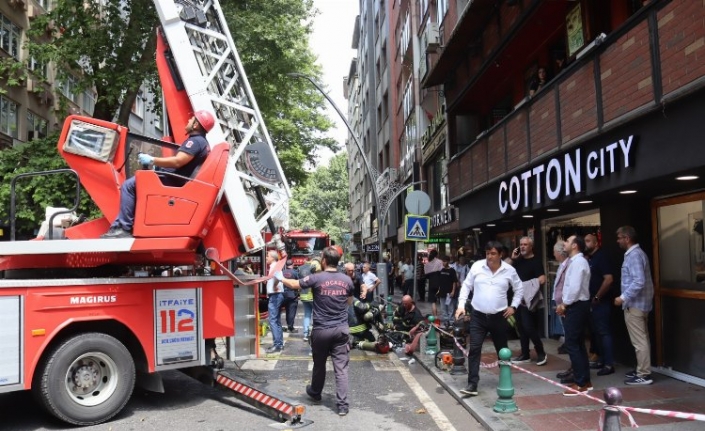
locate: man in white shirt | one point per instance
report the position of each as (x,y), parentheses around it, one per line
(407,277)
(275,293)
(489,279)
(370,281)
(575,308)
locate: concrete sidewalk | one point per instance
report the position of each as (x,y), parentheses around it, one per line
(542,407)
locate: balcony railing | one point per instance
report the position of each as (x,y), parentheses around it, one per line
(637,69)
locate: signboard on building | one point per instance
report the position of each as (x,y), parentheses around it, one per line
(574,29)
(444,216)
(371,248)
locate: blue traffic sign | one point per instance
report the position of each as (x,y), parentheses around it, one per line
(416,227)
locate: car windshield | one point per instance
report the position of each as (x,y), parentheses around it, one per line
(308,246)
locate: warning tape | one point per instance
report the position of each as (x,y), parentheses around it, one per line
(632,422)
(624,409)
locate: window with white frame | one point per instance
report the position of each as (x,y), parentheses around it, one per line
(88,101)
(423,8)
(441,11)
(46,4)
(68,87)
(158,120)
(10,37)
(138,105)
(37,127)
(38,67)
(9,123)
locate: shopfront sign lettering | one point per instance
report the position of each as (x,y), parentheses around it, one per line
(564,175)
(444,216)
(371,248)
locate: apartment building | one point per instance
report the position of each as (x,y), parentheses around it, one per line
(367,91)
(30,108)
(575,117)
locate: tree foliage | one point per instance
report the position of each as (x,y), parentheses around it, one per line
(109,46)
(322,201)
(34,193)
(272,39)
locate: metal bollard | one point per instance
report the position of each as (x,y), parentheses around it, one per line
(458,355)
(389,309)
(505,390)
(611,422)
(431,338)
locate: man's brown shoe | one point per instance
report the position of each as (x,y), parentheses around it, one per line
(576,390)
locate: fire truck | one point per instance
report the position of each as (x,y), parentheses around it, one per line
(305,244)
(83,319)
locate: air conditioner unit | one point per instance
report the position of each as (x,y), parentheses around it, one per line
(432,37)
(29,84)
(33,11)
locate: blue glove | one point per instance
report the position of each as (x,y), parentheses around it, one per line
(145,159)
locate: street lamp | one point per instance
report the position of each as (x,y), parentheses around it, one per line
(382,200)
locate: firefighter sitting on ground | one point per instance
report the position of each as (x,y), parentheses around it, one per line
(362,316)
(407,315)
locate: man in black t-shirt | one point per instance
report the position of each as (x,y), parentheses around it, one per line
(602,296)
(332,294)
(447,288)
(530,270)
(291,297)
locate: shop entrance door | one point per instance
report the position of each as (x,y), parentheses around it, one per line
(679,286)
(560,229)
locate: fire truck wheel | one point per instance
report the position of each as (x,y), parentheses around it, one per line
(87,379)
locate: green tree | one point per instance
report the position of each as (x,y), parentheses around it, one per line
(109,47)
(322,201)
(33,194)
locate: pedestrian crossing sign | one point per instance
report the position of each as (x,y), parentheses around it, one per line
(416,227)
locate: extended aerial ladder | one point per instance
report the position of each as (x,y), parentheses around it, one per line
(78,329)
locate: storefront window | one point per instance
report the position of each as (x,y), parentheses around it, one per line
(681,246)
(679,283)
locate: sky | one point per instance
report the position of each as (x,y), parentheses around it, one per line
(331,42)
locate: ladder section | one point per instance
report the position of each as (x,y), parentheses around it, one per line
(214,79)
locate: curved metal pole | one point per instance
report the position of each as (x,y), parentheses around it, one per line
(373,179)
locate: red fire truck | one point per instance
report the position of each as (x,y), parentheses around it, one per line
(305,244)
(83,318)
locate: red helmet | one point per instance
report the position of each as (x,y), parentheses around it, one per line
(205,119)
(339,249)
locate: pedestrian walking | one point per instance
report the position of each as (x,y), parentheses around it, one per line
(637,301)
(291,297)
(332,294)
(489,280)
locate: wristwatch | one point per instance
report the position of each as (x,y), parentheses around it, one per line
(597,298)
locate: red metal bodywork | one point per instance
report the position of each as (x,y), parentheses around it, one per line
(48,310)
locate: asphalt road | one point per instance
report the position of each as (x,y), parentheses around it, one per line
(386,393)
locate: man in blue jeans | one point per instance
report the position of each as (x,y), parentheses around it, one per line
(192,153)
(275,293)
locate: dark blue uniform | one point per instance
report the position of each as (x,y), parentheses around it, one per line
(195,145)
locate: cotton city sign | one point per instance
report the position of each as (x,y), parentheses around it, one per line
(563,175)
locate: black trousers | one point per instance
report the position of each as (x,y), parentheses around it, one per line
(331,342)
(528,330)
(480,325)
(577,318)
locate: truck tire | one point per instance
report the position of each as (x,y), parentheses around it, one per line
(86,380)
